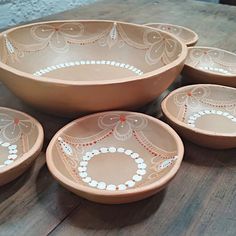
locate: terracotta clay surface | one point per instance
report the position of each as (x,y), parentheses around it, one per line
(21,140)
(115,157)
(187,36)
(70,67)
(210,65)
(204,114)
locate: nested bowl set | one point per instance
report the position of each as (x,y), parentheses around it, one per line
(70,68)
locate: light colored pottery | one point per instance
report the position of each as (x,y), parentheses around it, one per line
(204,114)
(210,65)
(187,36)
(115,157)
(21,140)
(68,67)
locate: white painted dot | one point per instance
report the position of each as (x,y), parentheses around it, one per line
(83,163)
(87,179)
(82,169)
(139,160)
(111,187)
(101,185)
(12,147)
(130,183)
(137,178)
(121,150)
(83,174)
(12,156)
(142,166)
(134,155)
(230,116)
(225,114)
(7,162)
(93,183)
(128,152)
(104,150)
(207,112)
(5,144)
(112,149)
(141,172)
(95,152)
(219,112)
(121,187)
(12,151)
(234,119)
(86,158)
(201,112)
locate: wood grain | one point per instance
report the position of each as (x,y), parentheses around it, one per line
(201,200)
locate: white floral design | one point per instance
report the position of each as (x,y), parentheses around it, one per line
(11,128)
(57,36)
(123,125)
(191,98)
(161,48)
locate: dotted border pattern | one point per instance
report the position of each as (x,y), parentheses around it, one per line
(82,169)
(12,153)
(192,119)
(215,69)
(87,62)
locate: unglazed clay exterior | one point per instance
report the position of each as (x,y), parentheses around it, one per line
(204,114)
(210,65)
(184,34)
(115,157)
(21,140)
(69,67)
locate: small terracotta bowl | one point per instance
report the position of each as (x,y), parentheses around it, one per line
(210,65)
(74,67)
(21,140)
(204,114)
(115,157)
(187,36)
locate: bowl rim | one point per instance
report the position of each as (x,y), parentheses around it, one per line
(188,43)
(86,189)
(184,125)
(181,58)
(34,149)
(209,72)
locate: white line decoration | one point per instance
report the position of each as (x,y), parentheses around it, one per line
(88,62)
(12,153)
(84,163)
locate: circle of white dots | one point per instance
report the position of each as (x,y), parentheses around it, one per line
(12,153)
(192,119)
(88,62)
(141,169)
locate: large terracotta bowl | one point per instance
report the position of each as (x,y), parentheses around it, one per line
(115,157)
(67,67)
(21,140)
(204,114)
(210,65)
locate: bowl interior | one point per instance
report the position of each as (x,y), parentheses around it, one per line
(207,107)
(114,151)
(186,35)
(87,50)
(212,60)
(18,134)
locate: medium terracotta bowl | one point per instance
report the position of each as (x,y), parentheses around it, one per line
(21,140)
(210,65)
(204,114)
(187,36)
(115,157)
(69,67)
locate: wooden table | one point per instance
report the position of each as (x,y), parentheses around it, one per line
(201,200)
